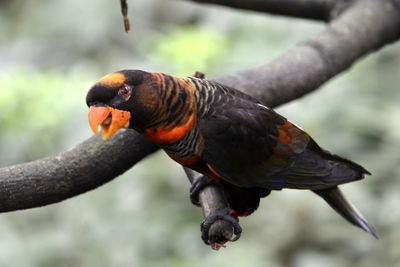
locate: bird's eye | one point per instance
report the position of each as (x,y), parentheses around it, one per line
(125,92)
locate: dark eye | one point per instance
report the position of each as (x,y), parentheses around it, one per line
(125,92)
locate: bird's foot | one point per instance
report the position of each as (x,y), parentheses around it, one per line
(222,234)
(197,186)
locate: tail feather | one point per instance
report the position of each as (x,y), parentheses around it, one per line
(335,198)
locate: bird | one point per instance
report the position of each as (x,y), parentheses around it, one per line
(229,137)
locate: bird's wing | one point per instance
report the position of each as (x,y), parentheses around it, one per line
(249,145)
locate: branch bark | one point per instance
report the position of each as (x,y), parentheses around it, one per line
(307,9)
(212,198)
(365,26)
(124,11)
(83,168)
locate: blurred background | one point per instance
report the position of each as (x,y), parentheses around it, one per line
(51,52)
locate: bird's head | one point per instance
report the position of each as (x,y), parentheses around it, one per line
(121,99)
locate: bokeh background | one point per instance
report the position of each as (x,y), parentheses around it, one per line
(52,51)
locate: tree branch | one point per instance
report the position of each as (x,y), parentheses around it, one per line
(307,9)
(212,199)
(364,27)
(83,168)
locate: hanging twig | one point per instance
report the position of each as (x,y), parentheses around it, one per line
(124,11)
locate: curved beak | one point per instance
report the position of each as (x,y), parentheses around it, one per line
(110,120)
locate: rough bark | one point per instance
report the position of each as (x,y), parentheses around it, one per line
(307,9)
(124,11)
(363,28)
(212,198)
(85,167)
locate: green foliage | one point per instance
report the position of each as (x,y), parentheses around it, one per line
(35,96)
(36,108)
(188,48)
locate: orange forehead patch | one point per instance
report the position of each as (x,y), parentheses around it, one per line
(115,79)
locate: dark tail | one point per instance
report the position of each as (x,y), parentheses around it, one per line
(334,197)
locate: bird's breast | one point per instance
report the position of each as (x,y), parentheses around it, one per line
(169,134)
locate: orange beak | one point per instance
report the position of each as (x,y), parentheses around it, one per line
(110,120)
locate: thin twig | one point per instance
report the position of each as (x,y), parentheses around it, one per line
(212,198)
(124,11)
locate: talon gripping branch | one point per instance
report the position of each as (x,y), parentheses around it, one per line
(224,134)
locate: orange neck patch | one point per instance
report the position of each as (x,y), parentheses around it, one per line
(167,136)
(115,79)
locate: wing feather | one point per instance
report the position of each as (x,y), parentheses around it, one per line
(250,145)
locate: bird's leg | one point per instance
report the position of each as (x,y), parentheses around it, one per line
(198,185)
(223,214)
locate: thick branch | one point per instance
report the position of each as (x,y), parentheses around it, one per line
(308,9)
(87,166)
(363,28)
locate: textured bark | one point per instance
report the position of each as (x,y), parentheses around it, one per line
(362,28)
(212,198)
(85,167)
(308,9)
(124,11)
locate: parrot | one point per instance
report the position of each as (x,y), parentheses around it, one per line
(229,137)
